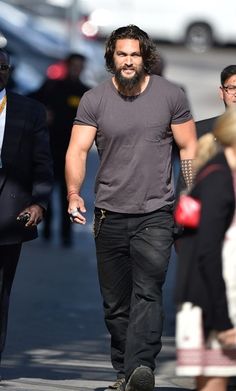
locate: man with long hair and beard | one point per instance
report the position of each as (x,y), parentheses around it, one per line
(129,84)
(134,117)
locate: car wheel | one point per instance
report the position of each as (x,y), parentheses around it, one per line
(199,37)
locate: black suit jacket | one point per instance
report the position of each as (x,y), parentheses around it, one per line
(26,177)
(205,126)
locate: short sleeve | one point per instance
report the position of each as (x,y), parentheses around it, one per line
(181,108)
(86,112)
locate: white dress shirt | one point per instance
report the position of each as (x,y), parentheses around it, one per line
(2,122)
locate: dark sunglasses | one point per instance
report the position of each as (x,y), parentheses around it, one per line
(4,67)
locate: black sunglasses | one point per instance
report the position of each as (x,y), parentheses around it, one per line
(4,67)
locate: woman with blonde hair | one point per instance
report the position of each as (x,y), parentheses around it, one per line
(201,278)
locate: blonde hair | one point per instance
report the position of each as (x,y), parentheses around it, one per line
(223,135)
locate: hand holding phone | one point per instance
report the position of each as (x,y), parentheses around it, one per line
(24,218)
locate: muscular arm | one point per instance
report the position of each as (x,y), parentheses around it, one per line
(82,138)
(186,140)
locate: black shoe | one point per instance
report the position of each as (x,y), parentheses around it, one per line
(141,379)
(119,385)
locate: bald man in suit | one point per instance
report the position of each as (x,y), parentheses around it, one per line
(26,179)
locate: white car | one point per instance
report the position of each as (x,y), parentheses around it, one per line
(198,24)
(35,43)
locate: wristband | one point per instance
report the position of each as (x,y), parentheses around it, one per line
(187,171)
(72,193)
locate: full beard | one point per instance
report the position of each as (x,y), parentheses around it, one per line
(129,86)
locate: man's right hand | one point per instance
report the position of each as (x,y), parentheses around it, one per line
(76,208)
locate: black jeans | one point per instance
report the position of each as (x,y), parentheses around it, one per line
(133,252)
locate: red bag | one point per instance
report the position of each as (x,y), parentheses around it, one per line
(188,211)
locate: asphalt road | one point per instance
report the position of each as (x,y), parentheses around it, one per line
(57,338)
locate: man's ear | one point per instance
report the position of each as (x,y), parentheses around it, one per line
(221,94)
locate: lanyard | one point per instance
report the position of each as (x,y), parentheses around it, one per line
(3,104)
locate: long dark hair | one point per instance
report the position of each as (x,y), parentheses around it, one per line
(147,47)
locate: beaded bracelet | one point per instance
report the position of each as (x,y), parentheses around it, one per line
(71,193)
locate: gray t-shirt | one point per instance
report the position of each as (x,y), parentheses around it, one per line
(134,142)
